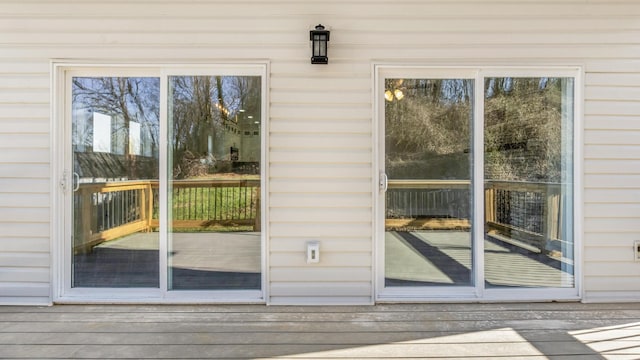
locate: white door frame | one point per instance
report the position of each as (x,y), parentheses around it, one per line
(380,71)
(61,160)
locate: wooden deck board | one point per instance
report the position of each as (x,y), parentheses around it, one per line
(388,331)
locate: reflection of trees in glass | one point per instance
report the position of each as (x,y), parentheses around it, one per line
(428,128)
(132,99)
(523,128)
(124,100)
(208,117)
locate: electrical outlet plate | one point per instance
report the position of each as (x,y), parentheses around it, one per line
(313,252)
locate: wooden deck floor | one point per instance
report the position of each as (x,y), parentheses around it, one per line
(409,331)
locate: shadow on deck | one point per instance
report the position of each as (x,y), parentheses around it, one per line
(197,261)
(416,331)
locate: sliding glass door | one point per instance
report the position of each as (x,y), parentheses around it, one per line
(427,162)
(164,194)
(114,145)
(528,177)
(476,183)
(213,181)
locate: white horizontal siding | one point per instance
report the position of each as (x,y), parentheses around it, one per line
(617,152)
(601,256)
(23,170)
(605,122)
(597,284)
(32,259)
(622,223)
(33,291)
(475,9)
(612,137)
(609,210)
(611,196)
(24,214)
(317,230)
(606,240)
(309,155)
(18,244)
(342,260)
(292,200)
(343,186)
(337,245)
(321,215)
(23,274)
(613,166)
(25,152)
(320,171)
(612,181)
(616,181)
(320,130)
(320,293)
(327,126)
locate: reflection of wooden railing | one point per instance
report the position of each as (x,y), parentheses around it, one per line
(527,214)
(525,211)
(428,204)
(203,203)
(107,211)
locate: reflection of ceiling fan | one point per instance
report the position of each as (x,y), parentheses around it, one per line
(396,92)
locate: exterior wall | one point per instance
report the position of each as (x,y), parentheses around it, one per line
(321,140)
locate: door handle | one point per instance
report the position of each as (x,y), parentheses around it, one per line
(383,182)
(76,180)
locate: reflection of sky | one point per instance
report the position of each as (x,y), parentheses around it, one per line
(140,96)
(234,88)
(112,100)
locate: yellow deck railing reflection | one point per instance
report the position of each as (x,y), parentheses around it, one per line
(527,214)
(110,210)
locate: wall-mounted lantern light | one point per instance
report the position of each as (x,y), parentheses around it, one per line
(319,39)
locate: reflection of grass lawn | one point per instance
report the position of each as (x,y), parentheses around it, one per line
(219,203)
(225,176)
(211,198)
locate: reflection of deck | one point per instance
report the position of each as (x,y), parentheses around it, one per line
(444,258)
(232,261)
(196,261)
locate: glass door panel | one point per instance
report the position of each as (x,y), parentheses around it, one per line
(214,240)
(428,162)
(528,182)
(115,171)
